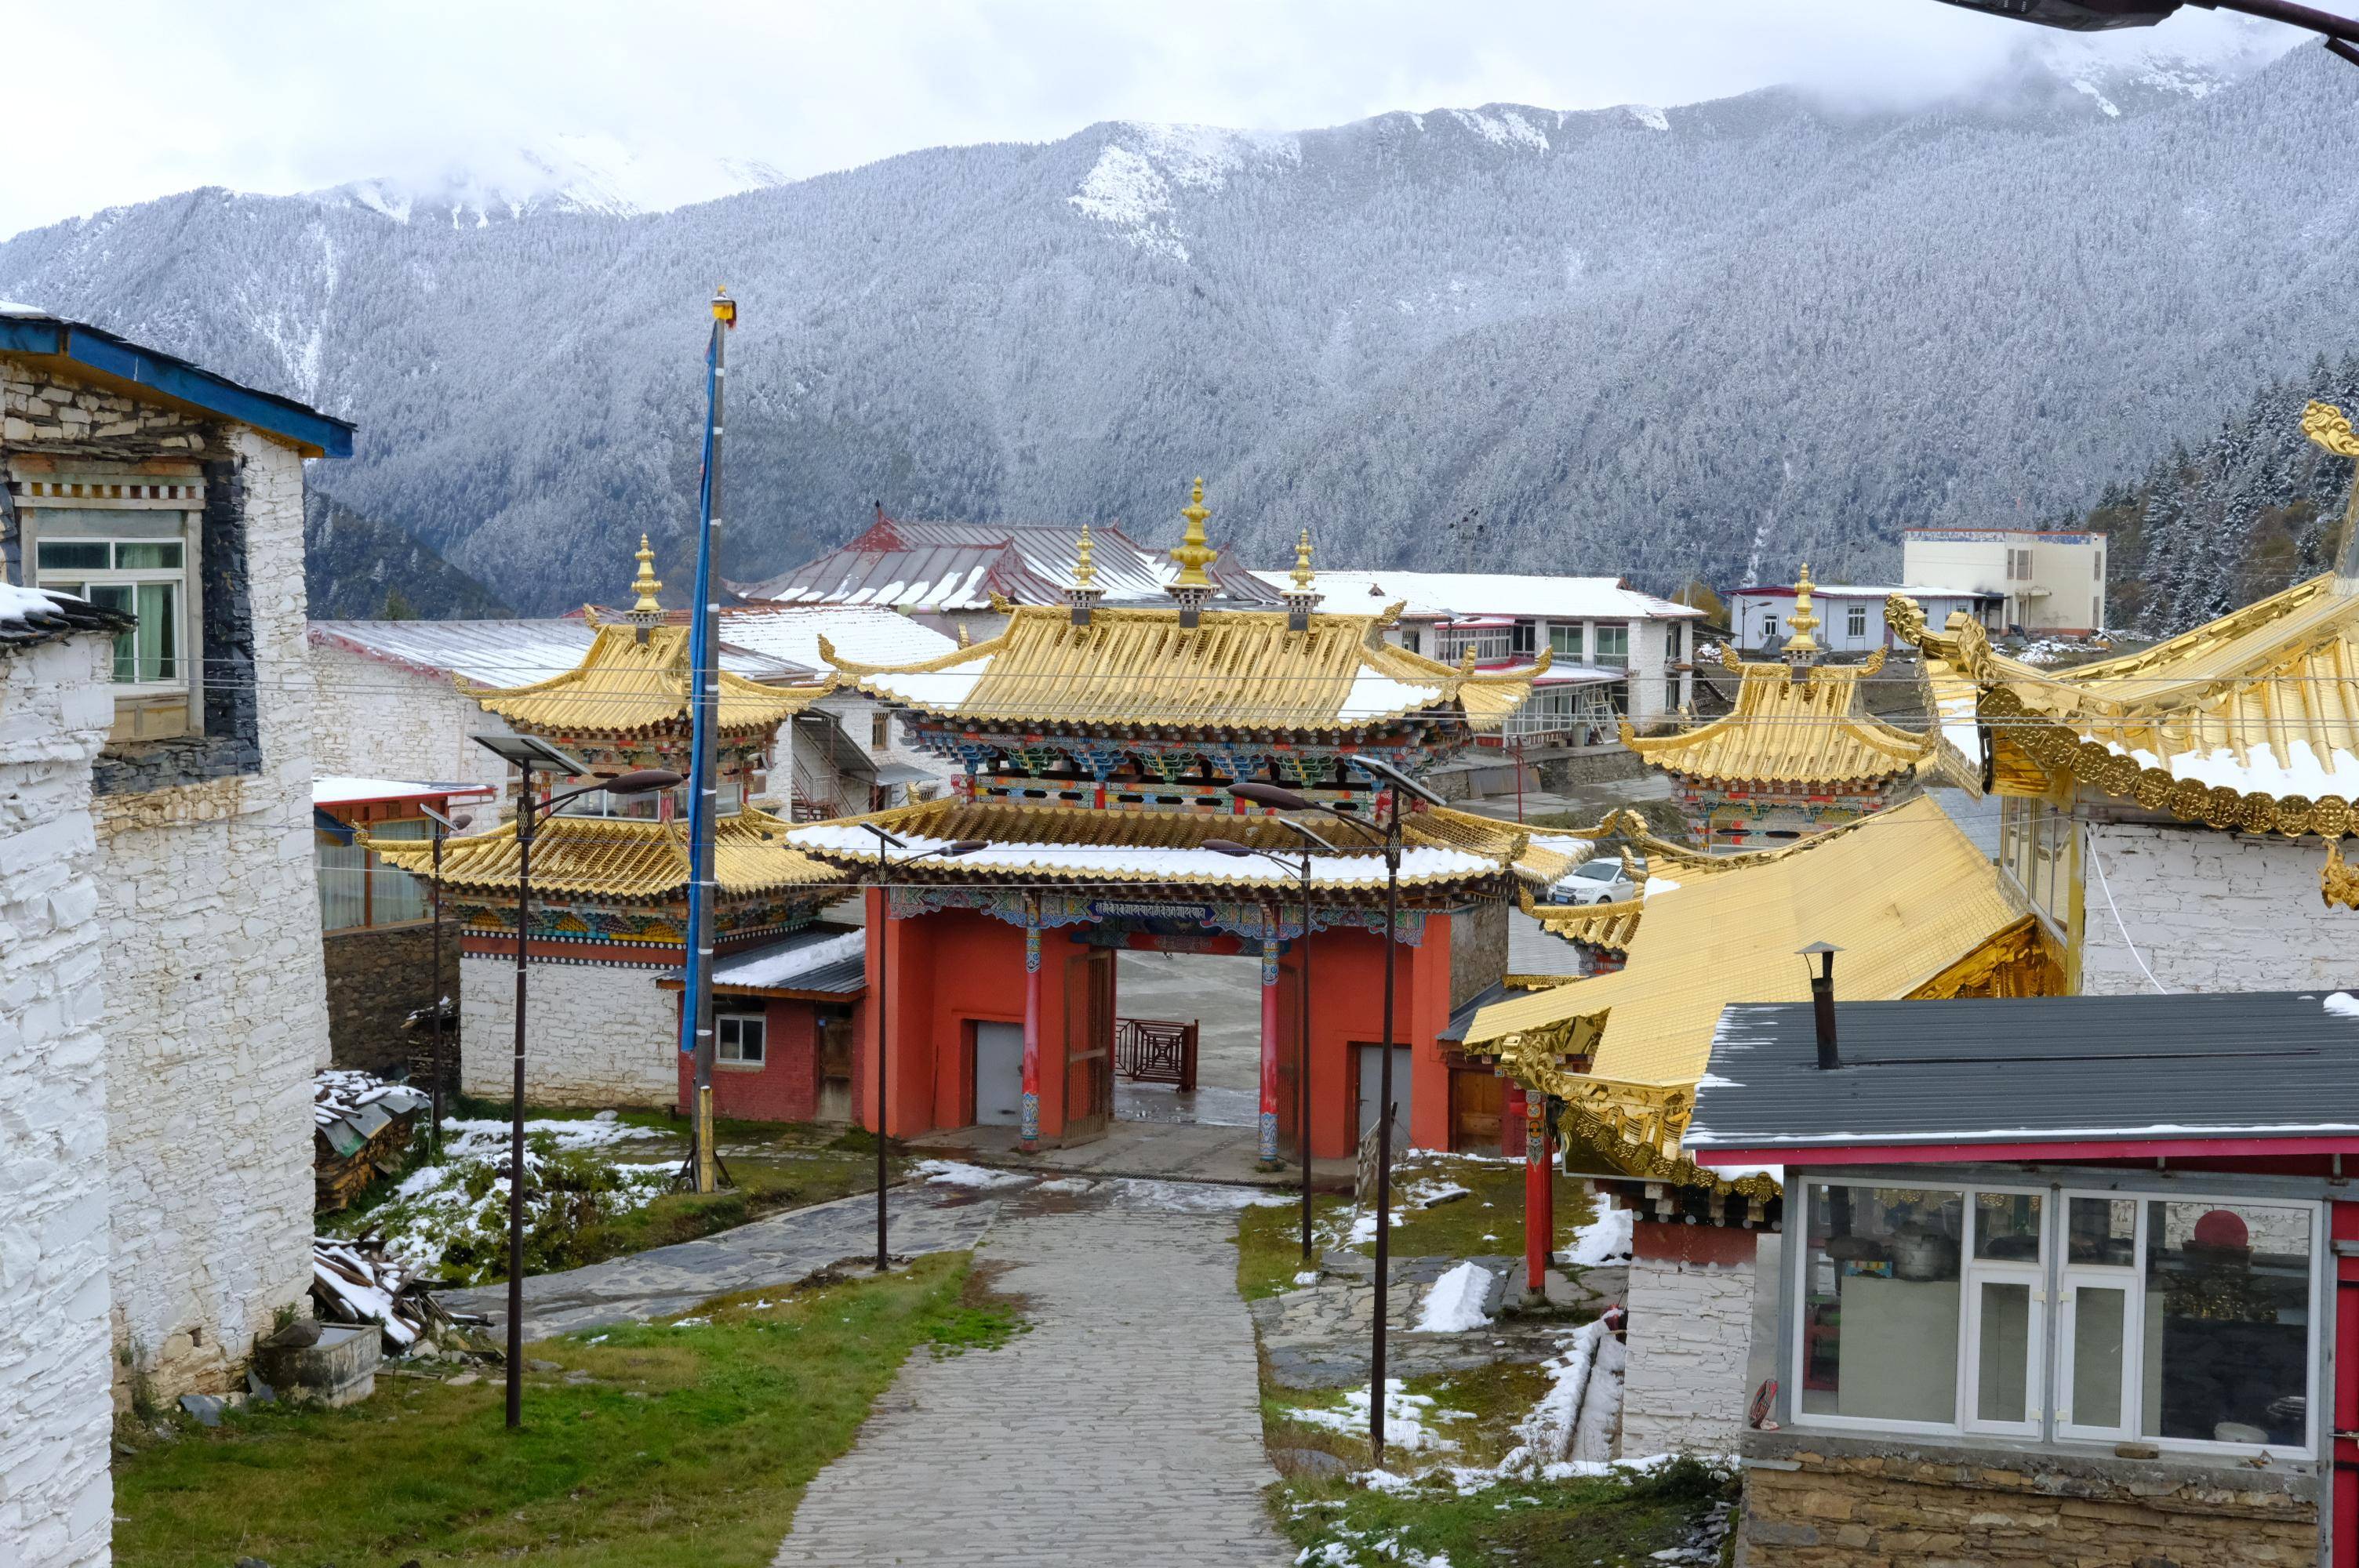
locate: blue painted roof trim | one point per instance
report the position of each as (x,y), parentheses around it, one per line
(179,380)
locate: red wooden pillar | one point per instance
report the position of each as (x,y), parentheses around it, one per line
(2343,1529)
(1511,1123)
(1030,1129)
(1269,1048)
(1539,1195)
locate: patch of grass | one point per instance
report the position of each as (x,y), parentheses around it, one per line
(1269,1242)
(1615,1521)
(683,1446)
(1464,1228)
(763,1187)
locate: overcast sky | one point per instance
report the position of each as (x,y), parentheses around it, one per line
(285,96)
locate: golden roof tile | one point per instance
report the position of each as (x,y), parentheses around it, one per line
(1607,925)
(1785,730)
(615,860)
(634,680)
(1239,669)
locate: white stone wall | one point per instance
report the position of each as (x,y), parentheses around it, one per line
(1691,1325)
(378,720)
(55,1410)
(216,1004)
(2208,911)
(596,1035)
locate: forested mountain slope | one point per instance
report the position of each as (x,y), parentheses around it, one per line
(1673,343)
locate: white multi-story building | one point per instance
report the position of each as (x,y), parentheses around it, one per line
(156,490)
(1851,615)
(2044,582)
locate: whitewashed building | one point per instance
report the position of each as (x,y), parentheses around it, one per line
(1851,615)
(159,489)
(56,1413)
(2044,582)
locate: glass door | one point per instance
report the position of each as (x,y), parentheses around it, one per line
(2097,1339)
(2006,1300)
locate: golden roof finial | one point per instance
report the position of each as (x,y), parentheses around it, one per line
(1301,574)
(1802,646)
(1193,553)
(2325,424)
(645,585)
(1086,572)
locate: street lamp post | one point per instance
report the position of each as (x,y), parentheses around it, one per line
(440,1012)
(2341,33)
(528,754)
(1301,866)
(1284,799)
(885,841)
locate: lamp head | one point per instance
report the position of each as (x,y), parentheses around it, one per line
(642,781)
(1269,795)
(1228,847)
(965,846)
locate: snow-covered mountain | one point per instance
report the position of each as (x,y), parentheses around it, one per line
(574,172)
(1665,342)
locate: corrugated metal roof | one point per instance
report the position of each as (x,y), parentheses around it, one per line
(510,652)
(959,566)
(1903,892)
(1812,731)
(1239,669)
(2248,1065)
(1473,595)
(829,959)
(867,633)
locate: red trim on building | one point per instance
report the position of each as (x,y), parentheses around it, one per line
(2209,1150)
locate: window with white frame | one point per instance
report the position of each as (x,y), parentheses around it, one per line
(1614,646)
(147,579)
(1856,621)
(357,888)
(739,1037)
(2187,1322)
(1564,640)
(1489,642)
(2038,846)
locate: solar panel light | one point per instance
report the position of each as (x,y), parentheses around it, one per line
(531,752)
(456,822)
(1377,767)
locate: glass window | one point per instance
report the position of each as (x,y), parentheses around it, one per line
(2226,1340)
(1855,621)
(343,885)
(144,578)
(739,1036)
(1614,646)
(72,556)
(1564,640)
(1526,636)
(1880,1300)
(1410,640)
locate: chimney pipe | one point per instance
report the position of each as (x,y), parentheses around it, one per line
(1822,1003)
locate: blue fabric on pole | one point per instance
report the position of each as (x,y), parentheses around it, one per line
(700,824)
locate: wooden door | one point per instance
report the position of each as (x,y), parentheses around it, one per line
(834,1064)
(1089,1044)
(1478,1098)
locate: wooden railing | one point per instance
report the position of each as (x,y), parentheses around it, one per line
(1152,1051)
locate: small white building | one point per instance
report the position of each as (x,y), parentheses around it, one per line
(1615,651)
(2044,582)
(1851,615)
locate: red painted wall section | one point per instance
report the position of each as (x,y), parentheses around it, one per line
(784,1088)
(1347,998)
(2343,1224)
(1696,1244)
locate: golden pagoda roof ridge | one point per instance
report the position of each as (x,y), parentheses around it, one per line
(1790,725)
(622,860)
(634,679)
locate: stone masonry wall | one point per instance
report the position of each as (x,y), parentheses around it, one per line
(596,1035)
(378,720)
(2209,911)
(55,1495)
(375,980)
(1690,1327)
(216,1009)
(1895,1505)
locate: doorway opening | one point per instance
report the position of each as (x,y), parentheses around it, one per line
(1214,999)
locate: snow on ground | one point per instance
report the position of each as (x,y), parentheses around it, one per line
(1604,1239)
(959,1173)
(1455,1302)
(1408,1418)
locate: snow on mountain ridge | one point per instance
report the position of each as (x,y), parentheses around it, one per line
(570,172)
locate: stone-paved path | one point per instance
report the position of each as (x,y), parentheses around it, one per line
(1123,1428)
(666,1280)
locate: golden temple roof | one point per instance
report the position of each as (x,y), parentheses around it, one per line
(1607,925)
(1081,845)
(2248,721)
(1904,893)
(634,680)
(1790,731)
(614,860)
(1239,669)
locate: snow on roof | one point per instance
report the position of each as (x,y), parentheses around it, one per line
(868,635)
(507,653)
(337,790)
(1864,591)
(782,964)
(30,615)
(1433,595)
(12,307)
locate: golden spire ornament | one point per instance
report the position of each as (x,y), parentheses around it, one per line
(1192,587)
(1302,597)
(1084,594)
(1801,648)
(647,611)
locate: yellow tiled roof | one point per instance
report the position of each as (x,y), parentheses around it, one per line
(2249,721)
(626,686)
(618,859)
(1904,893)
(1080,845)
(1812,731)
(1239,669)
(1607,925)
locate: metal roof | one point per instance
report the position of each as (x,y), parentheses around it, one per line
(510,652)
(26,330)
(829,960)
(2030,1070)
